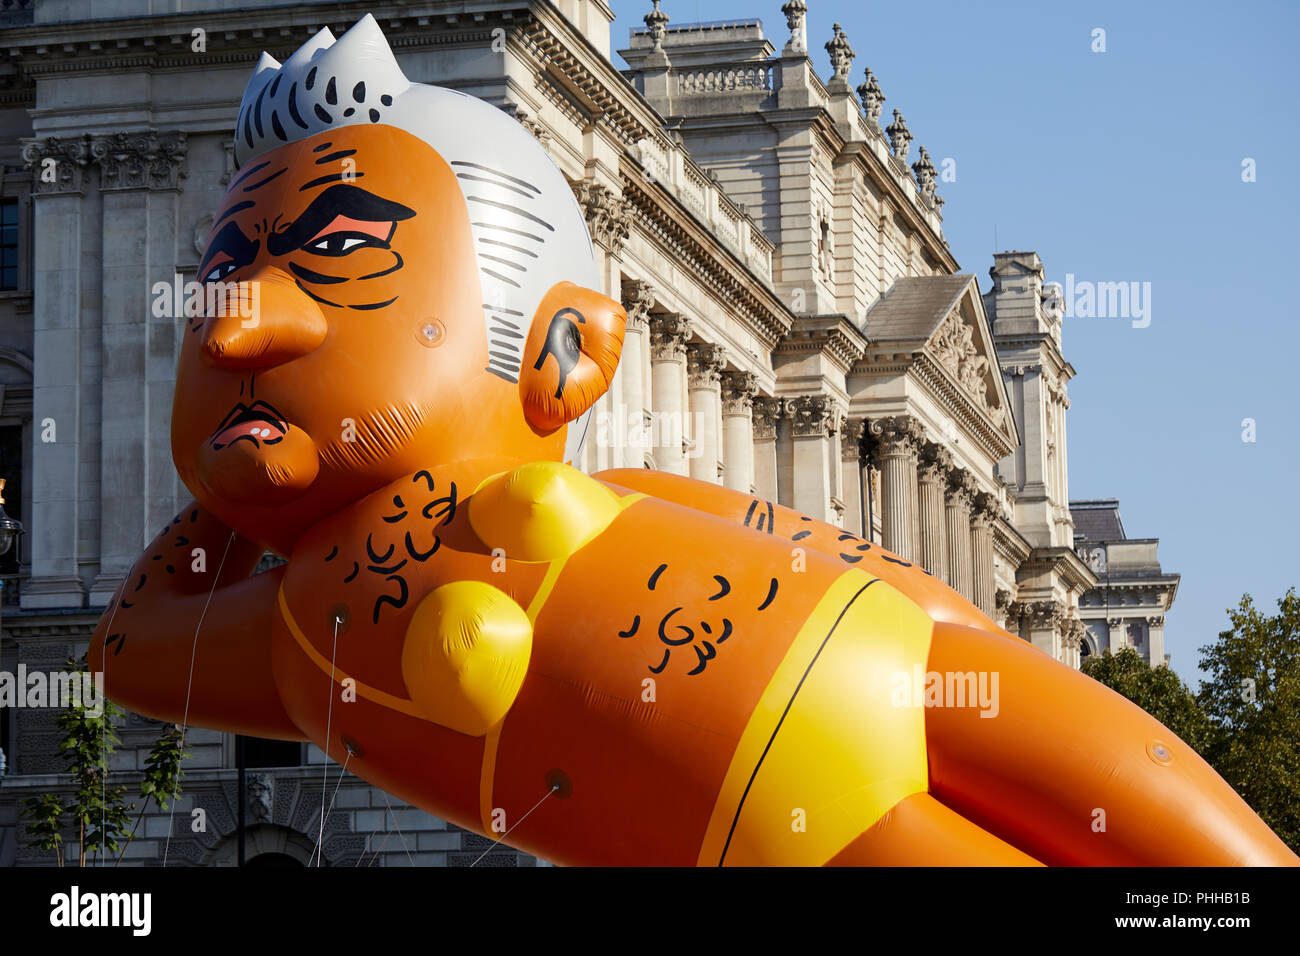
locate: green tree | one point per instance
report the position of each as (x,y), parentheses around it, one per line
(1252,697)
(95,809)
(1157,690)
(162,775)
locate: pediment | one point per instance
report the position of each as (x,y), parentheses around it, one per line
(962,345)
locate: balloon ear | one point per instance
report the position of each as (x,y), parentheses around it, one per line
(570,356)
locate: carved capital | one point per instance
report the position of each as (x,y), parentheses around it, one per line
(812,415)
(1002,599)
(934,464)
(143,160)
(638,298)
(58,165)
(1114,621)
(986,509)
(704,365)
(768,413)
(961,488)
(851,432)
(738,391)
(668,334)
(608,215)
(898,435)
(1042,615)
(1156,620)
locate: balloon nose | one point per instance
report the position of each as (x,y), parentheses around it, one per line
(259,322)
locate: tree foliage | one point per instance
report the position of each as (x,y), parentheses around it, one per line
(1252,697)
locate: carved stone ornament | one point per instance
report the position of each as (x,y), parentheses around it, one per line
(668,334)
(812,415)
(897,435)
(704,365)
(934,464)
(900,137)
(144,160)
(58,165)
(841,54)
(768,412)
(638,298)
(608,215)
(954,347)
(961,489)
(872,99)
(738,391)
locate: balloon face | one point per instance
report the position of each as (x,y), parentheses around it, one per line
(341,342)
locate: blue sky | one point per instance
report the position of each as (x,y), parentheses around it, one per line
(1125,166)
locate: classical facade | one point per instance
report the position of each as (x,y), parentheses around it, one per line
(1127,606)
(798,328)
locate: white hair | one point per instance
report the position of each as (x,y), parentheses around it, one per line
(529,232)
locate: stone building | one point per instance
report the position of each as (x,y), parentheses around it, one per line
(1127,606)
(798,328)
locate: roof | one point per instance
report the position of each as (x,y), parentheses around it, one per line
(914,307)
(1097,519)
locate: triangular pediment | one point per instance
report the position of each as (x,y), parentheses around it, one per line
(962,346)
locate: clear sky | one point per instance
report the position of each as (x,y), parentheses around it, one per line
(1124,166)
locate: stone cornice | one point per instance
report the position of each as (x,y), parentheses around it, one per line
(992,438)
(831,335)
(668,224)
(1063,563)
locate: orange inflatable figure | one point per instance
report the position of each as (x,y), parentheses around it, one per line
(622,669)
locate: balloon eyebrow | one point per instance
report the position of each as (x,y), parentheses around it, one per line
(338,200)
(238,207)
(248,172)
(261,183)
(339,154)
(332,178)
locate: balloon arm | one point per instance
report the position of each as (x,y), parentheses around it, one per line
(187,636)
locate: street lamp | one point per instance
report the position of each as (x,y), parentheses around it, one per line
(10,528)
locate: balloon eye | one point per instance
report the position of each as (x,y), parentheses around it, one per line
(340,243)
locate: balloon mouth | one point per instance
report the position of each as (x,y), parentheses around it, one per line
(258,423)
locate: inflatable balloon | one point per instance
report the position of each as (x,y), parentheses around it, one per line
(628,668)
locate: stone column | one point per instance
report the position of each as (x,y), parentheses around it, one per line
(638,297)
(851,475)
(668,334)
(56,525)
(1156,639)
(813,421)
(957,508)
(768,412)
(897,442)
(704,379)
(738,390)
(932,477)
(138,180)
(981,542)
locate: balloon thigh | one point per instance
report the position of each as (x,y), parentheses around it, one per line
(921,831)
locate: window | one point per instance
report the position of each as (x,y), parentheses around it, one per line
(260,752)
(8,245)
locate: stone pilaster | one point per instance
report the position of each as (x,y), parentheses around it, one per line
(851,475)
(983,516)
(767,412)
(704,381)
(638,298)
(1043,621)
(932,477)
(668,334)
(56,526)
(139,176)
(813,422)
(1156,640)
(1118,634)
(960,496)
(738,391)
(897,443)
